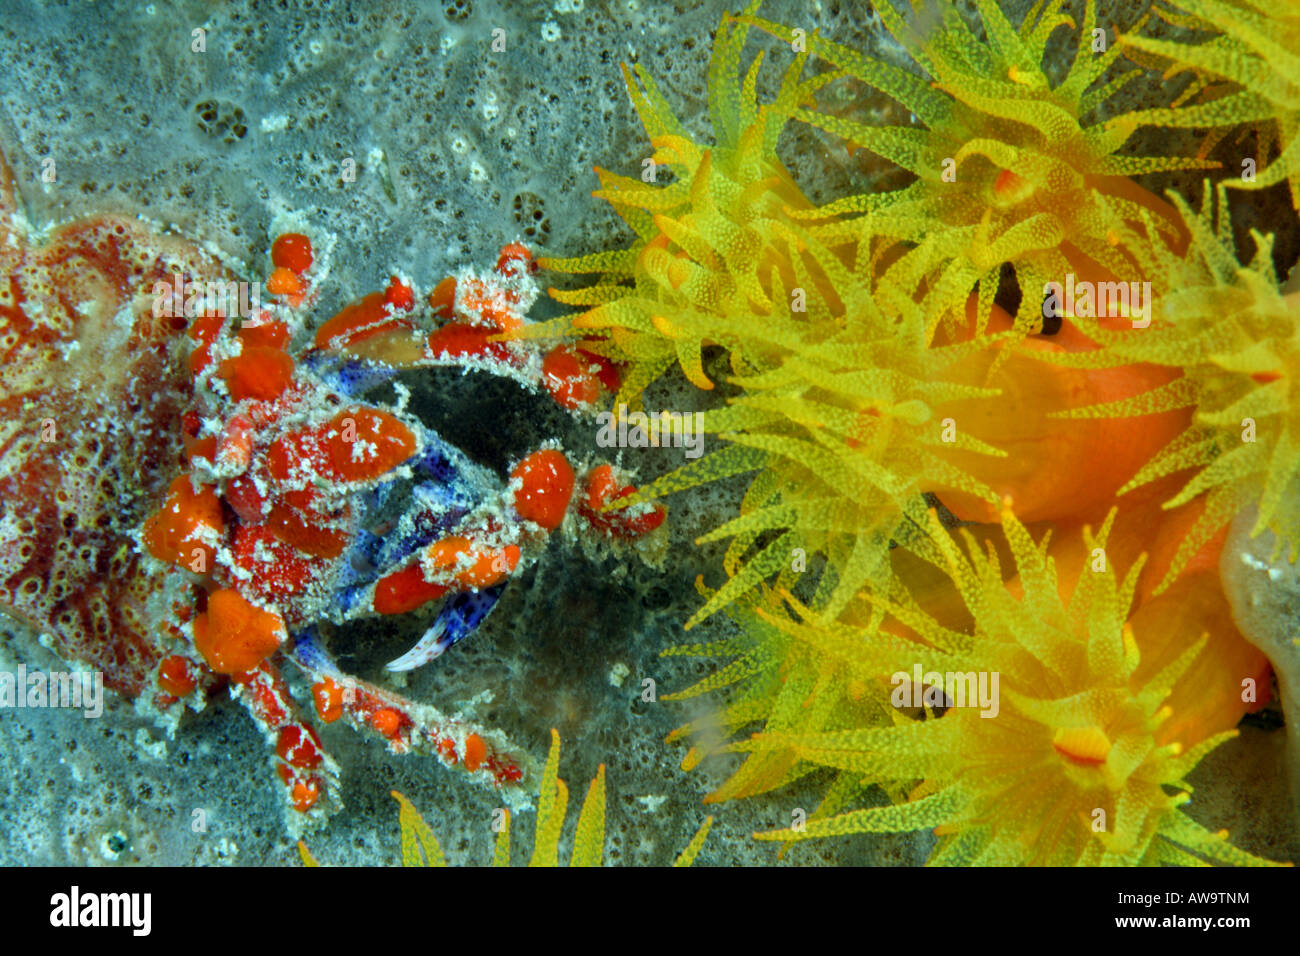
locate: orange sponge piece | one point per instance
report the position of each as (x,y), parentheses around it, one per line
(261,373)
(547,486)
(365,444)
(405,590)
(474,566)
(235,636)
(174,532)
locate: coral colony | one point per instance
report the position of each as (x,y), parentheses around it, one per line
(996,569)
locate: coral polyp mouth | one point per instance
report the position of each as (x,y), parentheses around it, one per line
(1082,746)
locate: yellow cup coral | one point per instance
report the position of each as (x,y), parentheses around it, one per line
(1253,50)
(1234,336)
(1009,167)
(1067,762)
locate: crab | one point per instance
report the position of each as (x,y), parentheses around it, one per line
(299,504)
(305,504)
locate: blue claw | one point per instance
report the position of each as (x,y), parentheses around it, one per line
(457,619)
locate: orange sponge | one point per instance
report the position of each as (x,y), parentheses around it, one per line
(235,636)
(259,372)
(547,486)
(173,532)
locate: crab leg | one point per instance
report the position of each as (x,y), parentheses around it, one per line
(308,773)
(408,726)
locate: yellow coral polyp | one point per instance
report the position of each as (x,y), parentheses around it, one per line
(1233,335)
(711,245)
(1253,49)
(844,391)
(1058,199)
(1066,767)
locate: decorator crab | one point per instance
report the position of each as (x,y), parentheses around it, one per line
(303,504)
(298,503)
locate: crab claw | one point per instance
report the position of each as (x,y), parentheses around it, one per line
(456,620)
(602,489)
